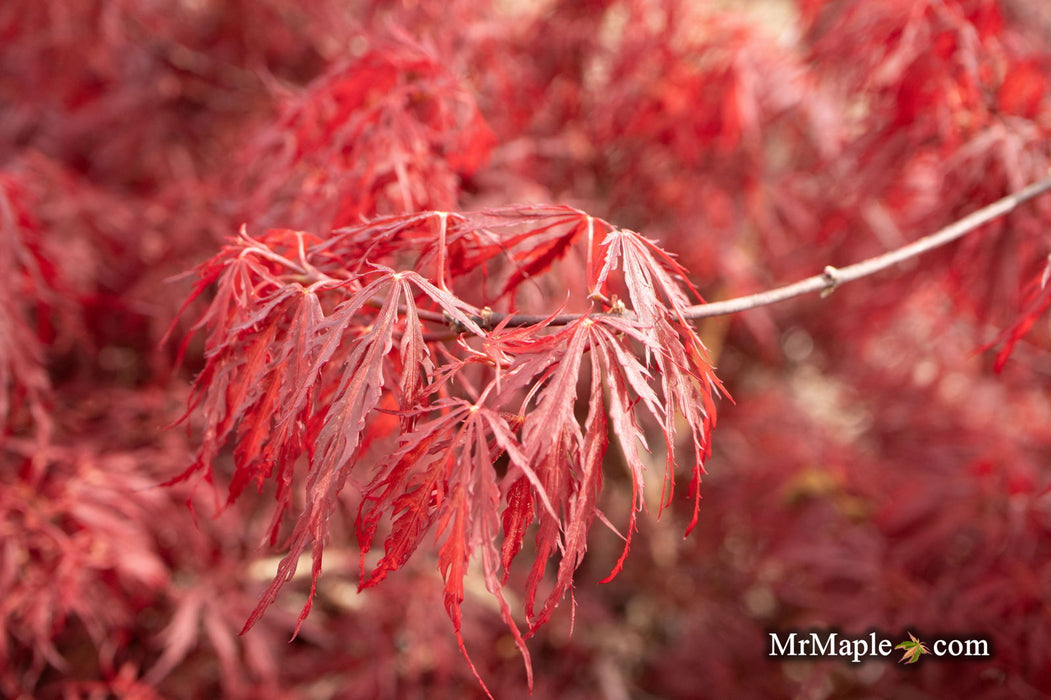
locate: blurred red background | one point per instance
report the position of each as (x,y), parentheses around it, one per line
(874,471)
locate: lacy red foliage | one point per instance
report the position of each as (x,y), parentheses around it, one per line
(390,132)
(304,393)
(26,281)
(952,100)
(306,338)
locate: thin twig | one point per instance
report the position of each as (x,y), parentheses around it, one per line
(831,277)
(826,282)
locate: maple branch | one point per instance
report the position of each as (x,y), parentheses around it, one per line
(826,282)
(832,277)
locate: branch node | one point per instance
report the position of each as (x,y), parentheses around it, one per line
(831,277)
(454,325)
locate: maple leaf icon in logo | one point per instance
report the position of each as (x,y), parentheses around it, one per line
(914,649)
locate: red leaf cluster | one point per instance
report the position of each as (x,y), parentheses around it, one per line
(390,132)
(310,345)
(26,278)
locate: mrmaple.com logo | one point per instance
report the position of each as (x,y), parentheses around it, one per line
(857,649)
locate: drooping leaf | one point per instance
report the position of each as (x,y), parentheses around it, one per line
(1037,304)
